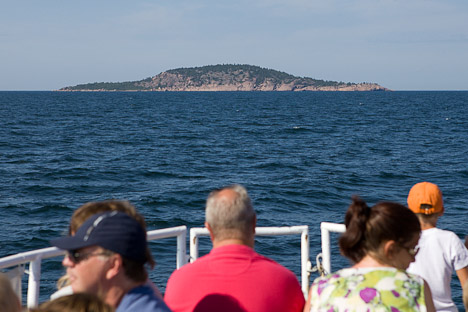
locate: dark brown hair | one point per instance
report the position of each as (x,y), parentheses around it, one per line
(134,270)
(367,228)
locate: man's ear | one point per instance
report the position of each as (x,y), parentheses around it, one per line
(115,265)
(210,230)
(254,223)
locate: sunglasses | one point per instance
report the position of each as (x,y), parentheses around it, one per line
(413,251)
(77,256)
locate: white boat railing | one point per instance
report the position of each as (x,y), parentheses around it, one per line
(195,233)
(35,257)
(326,228)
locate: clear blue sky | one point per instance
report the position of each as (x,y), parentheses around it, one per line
(400,44)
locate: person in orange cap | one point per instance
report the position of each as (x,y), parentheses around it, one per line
(440,252)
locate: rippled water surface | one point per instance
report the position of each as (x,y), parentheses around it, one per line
(301,156)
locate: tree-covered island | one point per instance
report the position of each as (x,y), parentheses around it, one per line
(226,78)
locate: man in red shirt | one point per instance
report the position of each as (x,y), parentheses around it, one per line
(233,277)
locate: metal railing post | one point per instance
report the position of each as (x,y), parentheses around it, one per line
(33,284)
(194,241)
(305,276)
(326,228)
(325,249)
(181,250)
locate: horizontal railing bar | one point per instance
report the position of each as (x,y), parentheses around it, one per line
(333,227)
(51,252)
(262,231)
(35,257)
(29,256)
(166,233)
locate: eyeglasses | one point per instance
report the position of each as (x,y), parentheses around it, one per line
(413,251)
(77,257)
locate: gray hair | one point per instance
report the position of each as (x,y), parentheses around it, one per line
(230,218)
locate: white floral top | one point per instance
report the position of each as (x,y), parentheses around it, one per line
(368,290)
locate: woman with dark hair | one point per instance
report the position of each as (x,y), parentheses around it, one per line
(381,242)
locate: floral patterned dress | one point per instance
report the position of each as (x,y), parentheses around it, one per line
(368,290)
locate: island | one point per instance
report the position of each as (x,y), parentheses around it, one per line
(226,77)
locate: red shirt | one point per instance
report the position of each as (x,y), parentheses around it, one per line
(234,278)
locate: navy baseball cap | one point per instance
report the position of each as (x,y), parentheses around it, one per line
(115,231)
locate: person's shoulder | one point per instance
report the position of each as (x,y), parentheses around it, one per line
(183,271)
(414,277)
(440,234)
(334,276)
(443,231)
(64,291)
(142,298)
(201,261)
(450,236)
(284,279)
(266,261)
(189,270)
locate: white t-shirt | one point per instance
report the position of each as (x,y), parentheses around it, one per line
(441,253)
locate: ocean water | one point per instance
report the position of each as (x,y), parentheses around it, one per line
(300,155)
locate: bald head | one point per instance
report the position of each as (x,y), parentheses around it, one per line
(230,214)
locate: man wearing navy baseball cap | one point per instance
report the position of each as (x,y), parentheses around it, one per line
(106,256)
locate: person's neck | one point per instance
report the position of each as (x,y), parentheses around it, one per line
(427,226)
(118,291)
(370,262)
(231,241)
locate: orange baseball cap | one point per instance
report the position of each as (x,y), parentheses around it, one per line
(425,193)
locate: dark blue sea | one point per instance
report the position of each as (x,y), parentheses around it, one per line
(300,155)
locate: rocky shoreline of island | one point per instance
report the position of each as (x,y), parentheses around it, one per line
(215,78)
